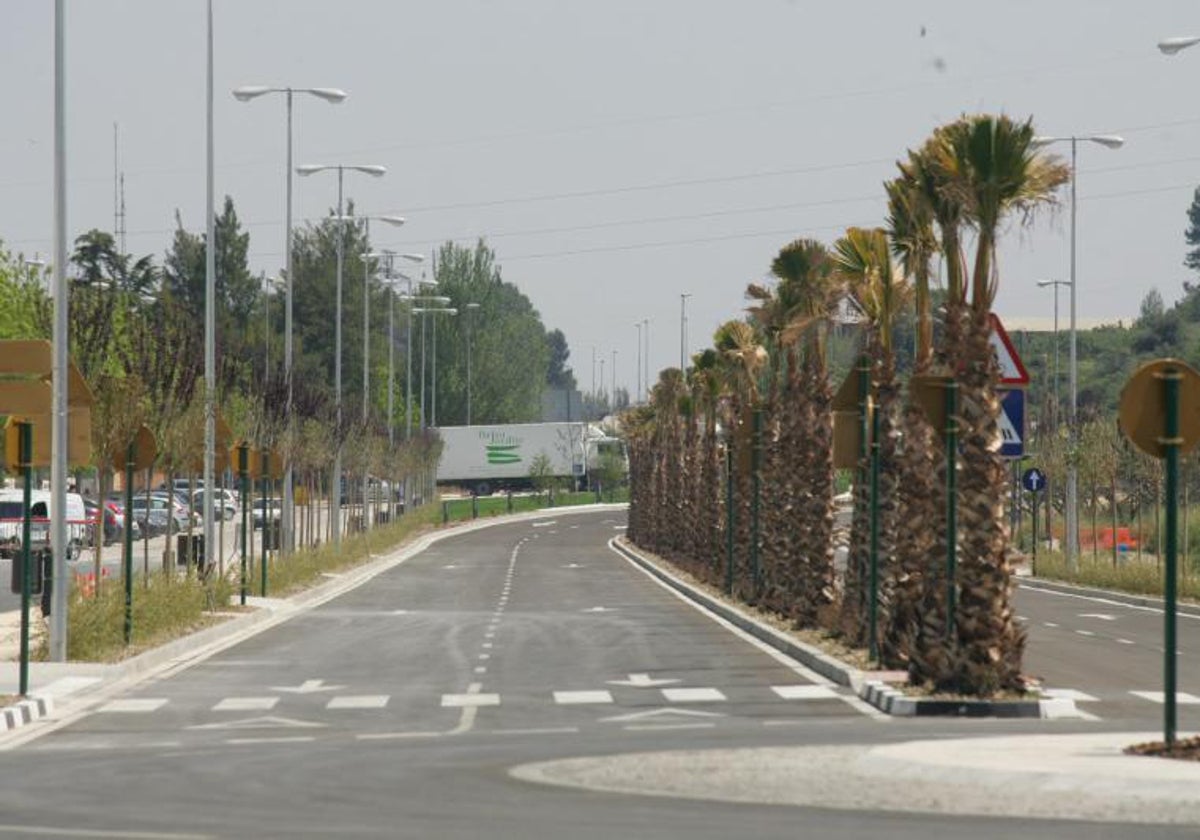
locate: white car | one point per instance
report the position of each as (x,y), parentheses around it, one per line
(224,504)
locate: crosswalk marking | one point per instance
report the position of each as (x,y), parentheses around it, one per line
(246,704)
(804,692)
(1181,697)
(459,701)
(360,701)
(133,704)
(575,698)
(692,695)
(1069,694)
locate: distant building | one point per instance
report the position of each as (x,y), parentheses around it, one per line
(560,405)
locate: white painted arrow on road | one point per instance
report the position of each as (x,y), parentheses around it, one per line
(665,711)
(261,723)
(307,687)
(642,681)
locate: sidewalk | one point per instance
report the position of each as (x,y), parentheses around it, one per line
(1079,777)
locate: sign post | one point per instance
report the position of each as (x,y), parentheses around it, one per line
(1034,481)
(1160,414)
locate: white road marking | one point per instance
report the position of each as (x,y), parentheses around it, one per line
(246,704)
(804,692)
(659,727)
(572,698)
(268,722)
(133,704)
(574,566)
(487,645)
(483,657)
(861,706)
(545,524)
(358,701)
(1101,616)
(620,527)
(461,701)
(480,669)
(661,712)
(1069,694)
(1181,697)
(390,736)
(598,609)
(642,681)
(1085,632)
(547,730)
(399,612)
(693,695)
(307,687)
(1125,642)
(1097,600)
(290,739)
(1049,624)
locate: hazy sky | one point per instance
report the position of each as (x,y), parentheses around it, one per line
(615,154)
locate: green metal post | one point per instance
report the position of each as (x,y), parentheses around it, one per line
(25,444)
(873,643)
(756,492)
(951,506)
(445,511)
(267,524)
(729,518)
(1170,443)
(1033,564)
(127,540)
(247,502)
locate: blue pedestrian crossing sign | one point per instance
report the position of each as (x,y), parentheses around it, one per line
(1033,480)
(1012,423)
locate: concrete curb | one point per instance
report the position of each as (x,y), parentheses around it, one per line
(885,698)
(24,712)
(1152,601)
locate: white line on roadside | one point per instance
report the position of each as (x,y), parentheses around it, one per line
(1098,600)
(286,739)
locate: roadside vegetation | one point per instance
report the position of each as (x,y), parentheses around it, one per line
(456,510)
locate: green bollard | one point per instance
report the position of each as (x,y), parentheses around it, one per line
(474,507)
(445,512)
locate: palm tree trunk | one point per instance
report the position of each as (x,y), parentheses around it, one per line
(990,642)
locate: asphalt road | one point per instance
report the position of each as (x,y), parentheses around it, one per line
(1109,656)
(397,710)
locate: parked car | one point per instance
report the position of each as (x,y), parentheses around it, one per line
(163,513)
(13,507)
(224,504)
(273,510)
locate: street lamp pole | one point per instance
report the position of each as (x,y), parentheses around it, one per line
(336,490)
(58,419)
(471,307)
(1055,284)
(334,96)
(1110,141)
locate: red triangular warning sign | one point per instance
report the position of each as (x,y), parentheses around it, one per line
(1012,371)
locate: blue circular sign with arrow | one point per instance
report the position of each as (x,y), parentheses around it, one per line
(1033,480)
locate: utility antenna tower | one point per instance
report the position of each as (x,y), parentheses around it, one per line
(118,195)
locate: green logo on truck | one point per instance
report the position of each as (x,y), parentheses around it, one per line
(500,453)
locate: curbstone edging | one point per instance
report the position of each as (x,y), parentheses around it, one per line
(1127,598)
(880,695)
(24,712)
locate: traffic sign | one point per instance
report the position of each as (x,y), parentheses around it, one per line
(1012,370)
(1033,480)
(1142,411)
(1012,423)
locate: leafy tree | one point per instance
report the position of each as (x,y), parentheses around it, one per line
(1192,234)
(559,375)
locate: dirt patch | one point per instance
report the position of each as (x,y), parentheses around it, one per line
(1183,749)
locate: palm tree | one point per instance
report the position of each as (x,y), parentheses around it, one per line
(742,359)
(863,259)
(709,522)
(808,293)
(920,502)
(996,171)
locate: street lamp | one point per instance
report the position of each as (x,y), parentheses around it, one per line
(471,307)
(335,96)
(1055,283)
(1109,141)
(312,169)
(422,311)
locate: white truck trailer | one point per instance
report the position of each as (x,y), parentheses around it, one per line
(488,458)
